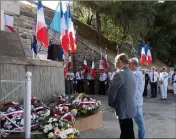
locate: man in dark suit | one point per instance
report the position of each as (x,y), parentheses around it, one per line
(121,96)
(146,83)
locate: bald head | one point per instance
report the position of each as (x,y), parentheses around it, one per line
(121,60)
(122,57)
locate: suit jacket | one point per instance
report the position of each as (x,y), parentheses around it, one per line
(121,94)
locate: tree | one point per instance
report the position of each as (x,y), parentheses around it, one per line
(162,35)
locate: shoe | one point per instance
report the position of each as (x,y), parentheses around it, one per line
(161,98)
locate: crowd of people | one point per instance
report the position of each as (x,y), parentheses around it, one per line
(126,85)
(77,81)
(159,81)
(127,89)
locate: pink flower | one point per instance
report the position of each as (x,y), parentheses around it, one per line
(57,132)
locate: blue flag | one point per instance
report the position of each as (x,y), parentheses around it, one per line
(34,44)
(56,20)
(147,46)
(140,48)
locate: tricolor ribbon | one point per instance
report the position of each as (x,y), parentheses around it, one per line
(65,116)
(87,102)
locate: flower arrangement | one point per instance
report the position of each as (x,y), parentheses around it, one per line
(55,119)
(83,105)
(54,127)
(12,117)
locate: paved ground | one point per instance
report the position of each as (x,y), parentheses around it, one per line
(160,119)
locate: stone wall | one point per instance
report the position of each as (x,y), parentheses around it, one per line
(47,77)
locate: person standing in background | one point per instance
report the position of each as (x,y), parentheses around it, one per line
(75,83)
(146,76)
(103,82)
(163,79)
(153,75)
(171,72)
(121,96)
(91,80)
(174,81)
(70,77)
(140,83)
(80,80)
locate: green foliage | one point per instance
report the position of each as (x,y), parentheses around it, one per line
(133,21)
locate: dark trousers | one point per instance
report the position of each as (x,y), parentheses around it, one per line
(91,86)
(75,87)
(126,127)
(153,89)
(102,89)
(145,90)
(69,87)
(80,86)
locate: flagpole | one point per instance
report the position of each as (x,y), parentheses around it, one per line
(33,55)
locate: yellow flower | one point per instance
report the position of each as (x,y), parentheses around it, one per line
(62,129)
(70,126)
(71,136)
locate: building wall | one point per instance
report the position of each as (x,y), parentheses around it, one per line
(47,77)
(10,7)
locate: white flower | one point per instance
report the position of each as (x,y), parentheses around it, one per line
(50,127)
(22,122)
(54,119)
(89,108)
(45,130)
(47,113)
(56,124)
(74,112)
(51,135)
(32,107)
(50,120)
(56,128)
(10,109)
(99,102)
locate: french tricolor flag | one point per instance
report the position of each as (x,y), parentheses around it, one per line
(143,56)
(149,57)
(41,27)
(64,30)
(93,74)
(71,31)
(106,60)
(8,22)
(85,67)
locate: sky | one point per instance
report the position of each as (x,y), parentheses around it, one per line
(49,4)
(53,4)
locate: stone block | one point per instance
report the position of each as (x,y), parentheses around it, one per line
(91,122)
(11,45)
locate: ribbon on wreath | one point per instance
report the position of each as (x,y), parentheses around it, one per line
(87,102)
(69,117)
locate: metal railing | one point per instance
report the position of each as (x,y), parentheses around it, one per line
(27,106)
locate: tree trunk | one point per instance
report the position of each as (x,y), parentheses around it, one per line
(98,27)
(89,20)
